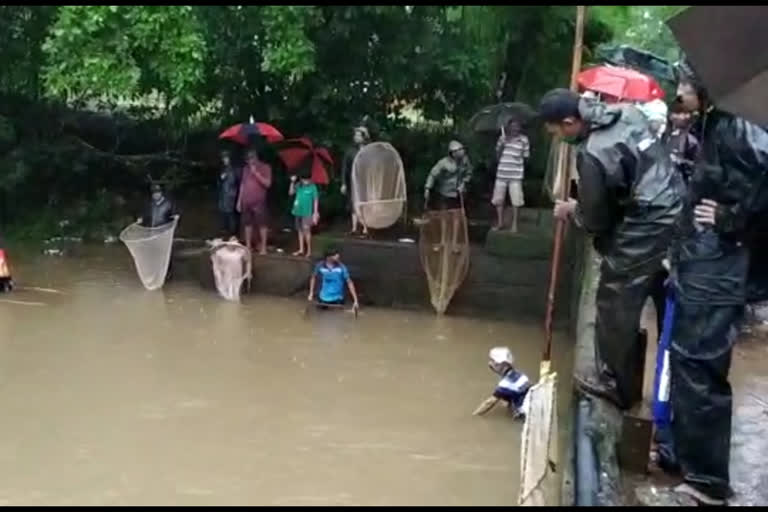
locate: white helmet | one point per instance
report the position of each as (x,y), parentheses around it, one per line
(501,355)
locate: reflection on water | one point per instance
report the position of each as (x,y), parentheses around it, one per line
(114,395)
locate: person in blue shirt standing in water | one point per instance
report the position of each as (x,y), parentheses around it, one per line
(333,276)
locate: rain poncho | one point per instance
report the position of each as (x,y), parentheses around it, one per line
(629,198)
(158,213)
(229,187)
(448,175)
(710,273)
(683,148)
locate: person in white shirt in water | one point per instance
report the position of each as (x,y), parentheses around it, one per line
(511,389)
(512,150)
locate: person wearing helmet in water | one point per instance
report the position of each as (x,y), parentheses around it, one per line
(512,388)
(450,177)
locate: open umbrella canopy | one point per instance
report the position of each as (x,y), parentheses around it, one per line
(620,84)
(299,154)
(490,119)
(244,132)
(725,45)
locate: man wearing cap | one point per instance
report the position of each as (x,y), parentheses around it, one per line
(629,200)
(450,177)
(727,196)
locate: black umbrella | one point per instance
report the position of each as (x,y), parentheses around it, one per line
(725,45)
(490,119)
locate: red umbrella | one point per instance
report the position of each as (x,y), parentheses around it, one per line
(298,153)
(241,133)
(621,84)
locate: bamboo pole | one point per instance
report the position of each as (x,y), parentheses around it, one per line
(564,176)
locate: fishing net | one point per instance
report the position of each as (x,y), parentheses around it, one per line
(231,267)
(553,182)
(378,185)
(444,250)
(539,482)
(151,251)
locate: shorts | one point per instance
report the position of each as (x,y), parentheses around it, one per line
(515,188)
(303,223)
(441,202)
(324,305)
(255,215)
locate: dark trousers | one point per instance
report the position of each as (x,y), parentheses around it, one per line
(701,396)
(230,223)
(620,301)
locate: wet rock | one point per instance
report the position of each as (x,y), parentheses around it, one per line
(653,496)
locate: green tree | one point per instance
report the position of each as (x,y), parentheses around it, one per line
(642,27)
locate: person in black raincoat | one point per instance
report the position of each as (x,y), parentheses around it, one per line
(159,210)
(228,189)
(726,194)
(629,199)
(681,143)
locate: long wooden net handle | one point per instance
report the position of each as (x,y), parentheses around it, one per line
(563,172)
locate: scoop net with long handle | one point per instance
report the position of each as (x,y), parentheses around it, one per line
(444,251)
(378,185)
(151,251)
(539,475)
(231,267)
(539,482)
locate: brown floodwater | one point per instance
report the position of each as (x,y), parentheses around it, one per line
(113,395)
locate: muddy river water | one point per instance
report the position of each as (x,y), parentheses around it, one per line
(114,395)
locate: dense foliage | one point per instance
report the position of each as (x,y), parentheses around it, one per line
(160,81)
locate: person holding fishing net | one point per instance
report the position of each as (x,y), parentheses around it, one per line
(360,138)
(629,198)
(449,178)
(150,239)
(159,210)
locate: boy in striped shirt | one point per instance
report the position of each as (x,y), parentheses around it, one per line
(512,150)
